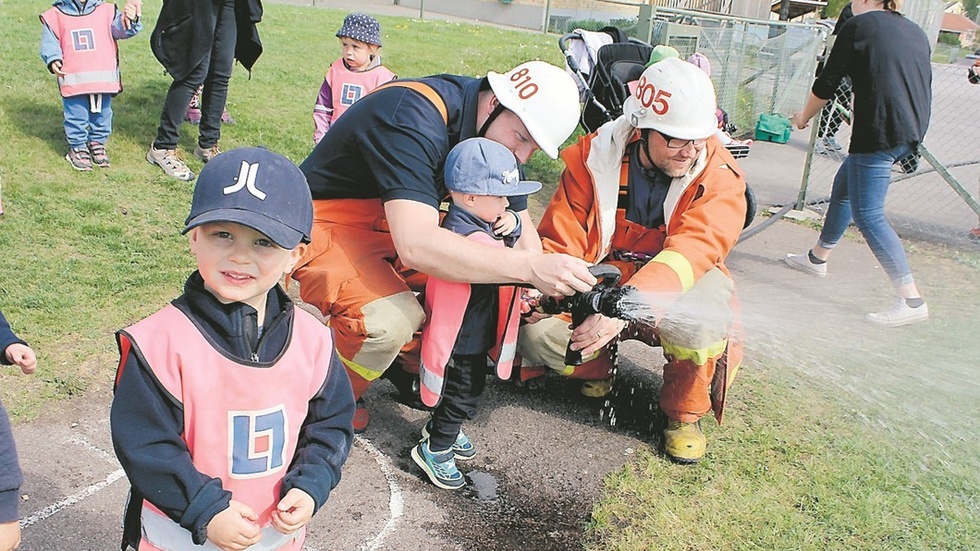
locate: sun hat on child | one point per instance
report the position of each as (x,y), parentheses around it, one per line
(363,27)
(254,187)
(660,53)
(480,166)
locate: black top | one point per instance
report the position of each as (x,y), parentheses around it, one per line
(887,58)
(392,144)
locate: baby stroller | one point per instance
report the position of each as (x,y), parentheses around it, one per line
(604,62)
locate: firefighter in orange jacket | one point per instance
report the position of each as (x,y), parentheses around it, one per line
(655,194)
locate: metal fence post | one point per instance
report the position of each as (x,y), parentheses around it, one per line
(644,25)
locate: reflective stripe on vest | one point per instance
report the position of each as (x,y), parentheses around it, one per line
(90,58)
(159,532)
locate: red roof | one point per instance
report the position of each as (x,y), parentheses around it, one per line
(954,22)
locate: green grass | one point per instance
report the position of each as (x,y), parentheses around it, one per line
(796,466)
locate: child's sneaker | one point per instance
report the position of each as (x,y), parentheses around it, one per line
(80,159)
(99,156)
(900,313)
(463,448)
(170,162)
(803,263)
(439,467)
(206,153)
(226,118)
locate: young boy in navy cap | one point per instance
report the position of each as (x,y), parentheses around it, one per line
(465,322)
(232,412)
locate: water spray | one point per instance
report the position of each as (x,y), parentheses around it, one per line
(604,298)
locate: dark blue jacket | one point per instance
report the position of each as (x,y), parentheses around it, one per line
(10,475)
(143,419)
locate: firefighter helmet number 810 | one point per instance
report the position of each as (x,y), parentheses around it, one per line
(651,98)
(523,83)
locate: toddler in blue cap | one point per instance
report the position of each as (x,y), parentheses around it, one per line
(232,412)
(468,324)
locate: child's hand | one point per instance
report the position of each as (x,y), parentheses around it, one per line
(132,12)
(22,356)
(293,511)
(9,535)
(506,224)
(234,528)
(55,68)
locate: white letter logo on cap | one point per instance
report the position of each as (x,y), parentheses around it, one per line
(246,179)
(511,177)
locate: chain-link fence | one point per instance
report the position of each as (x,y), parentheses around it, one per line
(935,202)
(767,66)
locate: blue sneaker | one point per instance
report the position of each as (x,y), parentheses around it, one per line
(463,449)
(440,468)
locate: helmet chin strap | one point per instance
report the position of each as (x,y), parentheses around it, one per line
(645,148)
(493,115)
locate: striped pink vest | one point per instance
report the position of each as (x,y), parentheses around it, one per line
(241,421)
(90,55)
(445,305)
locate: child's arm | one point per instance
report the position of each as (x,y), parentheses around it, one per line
(322,111)
(126,24)
(10,482)
(146,426)
(51,53)
(325,439)
(14,350)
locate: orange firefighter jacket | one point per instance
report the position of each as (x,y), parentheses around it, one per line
(704,212)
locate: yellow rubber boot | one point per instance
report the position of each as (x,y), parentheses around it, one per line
(684,442)
(597,389)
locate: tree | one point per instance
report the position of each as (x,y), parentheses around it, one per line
(834,7)
(971,7)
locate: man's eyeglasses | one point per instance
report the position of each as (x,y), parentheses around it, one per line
(678,143)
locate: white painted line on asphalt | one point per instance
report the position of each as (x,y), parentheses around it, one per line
(102,453)
(396,502)
(71,500)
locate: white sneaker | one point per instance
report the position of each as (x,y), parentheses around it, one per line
(900,313)
(831,143)
(170,162)
(802,263)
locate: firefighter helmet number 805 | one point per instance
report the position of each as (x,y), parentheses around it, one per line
(523,83)
(651,98)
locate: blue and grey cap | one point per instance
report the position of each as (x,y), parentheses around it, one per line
(484,167)
(254,187)
(363,27)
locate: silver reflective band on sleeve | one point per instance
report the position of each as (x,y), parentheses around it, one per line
(166,534)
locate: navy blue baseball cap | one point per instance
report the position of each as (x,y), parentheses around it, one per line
(254,187)
(484,167)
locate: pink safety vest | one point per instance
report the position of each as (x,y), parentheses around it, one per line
(241,421)
(90,56)
(346,86)
(443,322)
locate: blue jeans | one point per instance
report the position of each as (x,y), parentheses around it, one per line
(859,192)
(214,72)
(83,124)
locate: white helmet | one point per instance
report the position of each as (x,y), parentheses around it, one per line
(676,98)
(544,97)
